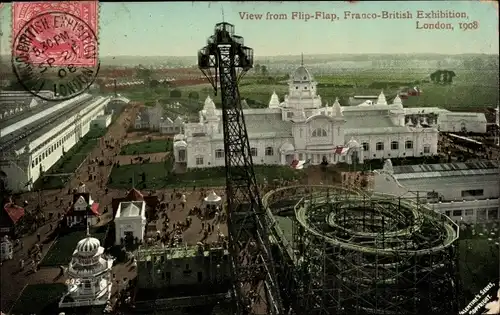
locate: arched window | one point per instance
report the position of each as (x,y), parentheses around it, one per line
(219,154)
(319,132)
(366,146)
(380,146)
(409,144)
(394,145)
(269,151)
(253,151)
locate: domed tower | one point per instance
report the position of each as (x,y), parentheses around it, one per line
(211,119)
(302,92)
(89,275)
(274,102)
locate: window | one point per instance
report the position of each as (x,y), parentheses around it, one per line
(219,154)
(457,213)
(319,132)
(366,146)
(199,160)
(448,213)
(289,115)
(409,144)
(472,192)
(427,148)
(469,212)
(394,145)
(253,151)
(269,151)
(380,146)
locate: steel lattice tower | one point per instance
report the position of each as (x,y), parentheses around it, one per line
(255,284)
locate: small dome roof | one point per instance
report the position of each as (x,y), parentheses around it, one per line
(209,104)
(302,75)
(397,101)
(274,102)
(88,246)
(181,143)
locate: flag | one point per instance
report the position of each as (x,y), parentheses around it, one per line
(340,150)
(298,165)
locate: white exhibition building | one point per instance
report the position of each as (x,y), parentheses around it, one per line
(33,139)
(302,128)
(464,191)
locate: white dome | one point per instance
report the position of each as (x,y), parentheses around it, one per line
(397,101)
(302,75)
(180,144)
(209,104)
(275,101)
(88,246)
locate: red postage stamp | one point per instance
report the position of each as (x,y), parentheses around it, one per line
(64,31)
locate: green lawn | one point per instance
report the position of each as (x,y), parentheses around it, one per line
(38,299)
(60,252)
(70,161)
(146,147)
(158,175)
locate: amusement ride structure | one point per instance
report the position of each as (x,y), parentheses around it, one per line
(338,251)
(255,284)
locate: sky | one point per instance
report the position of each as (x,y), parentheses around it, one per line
(181,28)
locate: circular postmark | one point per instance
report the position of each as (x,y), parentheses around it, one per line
(58,52)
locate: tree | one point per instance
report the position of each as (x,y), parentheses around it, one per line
(175,93)
(451,75)
(154,84)
(445,76)
(263,70)
(194,95)
(257,68)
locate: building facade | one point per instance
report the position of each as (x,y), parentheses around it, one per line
(89,276)
(465,192)
(155,119)
(130,222)
(33,145)
(302,128)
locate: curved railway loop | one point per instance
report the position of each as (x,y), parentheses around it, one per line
(346,252)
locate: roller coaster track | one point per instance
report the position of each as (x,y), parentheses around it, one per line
(27,132)
(420,214)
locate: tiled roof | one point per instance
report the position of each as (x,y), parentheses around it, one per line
(14,212)
(135,195)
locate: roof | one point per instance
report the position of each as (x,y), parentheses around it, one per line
(93,211)
(59,117)
(425,110)
(302,75)
(471,168)
(264,123)
(135,195)
(130,209)
(151,202)
(14,212)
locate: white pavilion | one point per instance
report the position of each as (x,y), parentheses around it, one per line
(212,199)
(89,275)
(302,128)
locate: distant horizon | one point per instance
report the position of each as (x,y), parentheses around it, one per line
(153,29)
(306,55)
